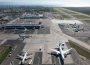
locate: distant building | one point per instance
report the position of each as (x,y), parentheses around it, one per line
(31,16)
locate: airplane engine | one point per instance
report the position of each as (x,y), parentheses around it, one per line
(65,55)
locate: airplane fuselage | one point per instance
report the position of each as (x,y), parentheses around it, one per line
(24,58)
(61,52)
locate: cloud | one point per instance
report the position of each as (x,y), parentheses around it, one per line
(66,3)
(76,3)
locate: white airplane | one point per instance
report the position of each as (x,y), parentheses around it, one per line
(62,52)
(25,30)
(23,36)
(23,57)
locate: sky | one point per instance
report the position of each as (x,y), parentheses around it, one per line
(60,3)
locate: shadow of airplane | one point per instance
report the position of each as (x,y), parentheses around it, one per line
(58,56)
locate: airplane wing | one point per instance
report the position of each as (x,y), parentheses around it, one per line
(55,51)
(27,57)
(66,51)
(19,56)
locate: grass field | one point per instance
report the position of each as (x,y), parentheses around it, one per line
(88,21)
(85,10)
(80,50)
(4,52)
(59,11)
(70,12)
(66,16)
(80,16)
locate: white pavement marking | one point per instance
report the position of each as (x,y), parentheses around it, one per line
(3,41)
(30,62)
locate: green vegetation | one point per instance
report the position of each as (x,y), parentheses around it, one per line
(39,10)
(3,54)
(66,16)
(81,16)
(58,10)
(70,12)
(85,10)
(57,17)
(88,21)
(62,16)
(80,50)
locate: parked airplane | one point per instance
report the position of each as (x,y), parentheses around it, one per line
(23,57)
(61,52)
(23,36)
(25,30)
